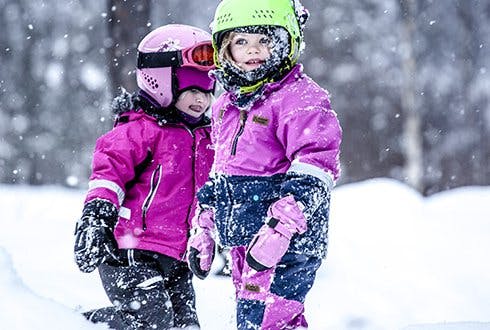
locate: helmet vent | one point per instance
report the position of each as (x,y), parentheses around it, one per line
(263,13)
(224,18)
(152,81)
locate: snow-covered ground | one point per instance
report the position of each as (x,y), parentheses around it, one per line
(396,261)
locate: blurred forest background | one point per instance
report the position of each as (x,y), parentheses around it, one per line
(409,80)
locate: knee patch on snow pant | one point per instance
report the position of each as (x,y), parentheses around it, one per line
(272,299)
(139,298)
(277,315)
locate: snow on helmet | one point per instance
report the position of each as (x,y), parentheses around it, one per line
(288,14)
(169,57)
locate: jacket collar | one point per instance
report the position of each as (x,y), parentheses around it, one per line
(295,73)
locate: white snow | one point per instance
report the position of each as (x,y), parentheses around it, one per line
(396,261)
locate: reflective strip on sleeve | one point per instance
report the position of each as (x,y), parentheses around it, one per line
(108,185)
(304,168)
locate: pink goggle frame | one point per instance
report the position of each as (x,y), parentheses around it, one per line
(199,56)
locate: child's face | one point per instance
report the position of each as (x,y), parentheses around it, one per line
(250,50)
(193,102)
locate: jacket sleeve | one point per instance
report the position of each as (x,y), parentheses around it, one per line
(115,158)
(311,137)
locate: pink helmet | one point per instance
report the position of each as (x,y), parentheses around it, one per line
(173,58)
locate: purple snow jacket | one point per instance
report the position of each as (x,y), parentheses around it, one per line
(151,169)
(291,126)
(286,143)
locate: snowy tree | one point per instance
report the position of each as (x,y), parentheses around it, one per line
(128,22)
(399,76)
(353,51)
(53,82)
(454,85)
(412,134)
(420,70)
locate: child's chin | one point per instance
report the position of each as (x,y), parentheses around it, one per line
(196,114)
(249,67)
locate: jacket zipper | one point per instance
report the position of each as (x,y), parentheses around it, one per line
(155,181)
(243,119)
(193,148)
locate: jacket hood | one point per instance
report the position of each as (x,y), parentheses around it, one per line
(127,102)
(122,103)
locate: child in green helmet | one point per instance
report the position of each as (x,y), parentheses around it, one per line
(277,146)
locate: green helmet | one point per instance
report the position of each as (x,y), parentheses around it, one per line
(231,14)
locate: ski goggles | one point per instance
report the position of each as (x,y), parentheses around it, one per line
(199,56)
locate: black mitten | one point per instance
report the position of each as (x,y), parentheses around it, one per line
(94,238)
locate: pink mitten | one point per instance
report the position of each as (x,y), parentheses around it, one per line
(269,245)
(201,245)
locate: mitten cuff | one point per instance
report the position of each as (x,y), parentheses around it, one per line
(101,210)
(204,219)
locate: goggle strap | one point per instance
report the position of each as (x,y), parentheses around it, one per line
(159,59)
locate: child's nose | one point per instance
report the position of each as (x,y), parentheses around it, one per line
(253,49)
(200,97)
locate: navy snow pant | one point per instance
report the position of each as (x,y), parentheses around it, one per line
(148,291)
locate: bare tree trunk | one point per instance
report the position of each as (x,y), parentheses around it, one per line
(477,168)
(128,23)
(29,158)
(413,143)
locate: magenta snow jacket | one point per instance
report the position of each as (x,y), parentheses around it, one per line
(151,170)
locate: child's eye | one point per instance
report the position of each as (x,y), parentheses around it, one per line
(240,41)
(265,41)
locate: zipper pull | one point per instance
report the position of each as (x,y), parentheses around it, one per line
(243,117)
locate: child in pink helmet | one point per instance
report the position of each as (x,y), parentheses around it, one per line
(277,146)
(145,174)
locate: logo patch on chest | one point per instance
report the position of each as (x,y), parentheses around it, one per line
(260,120)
